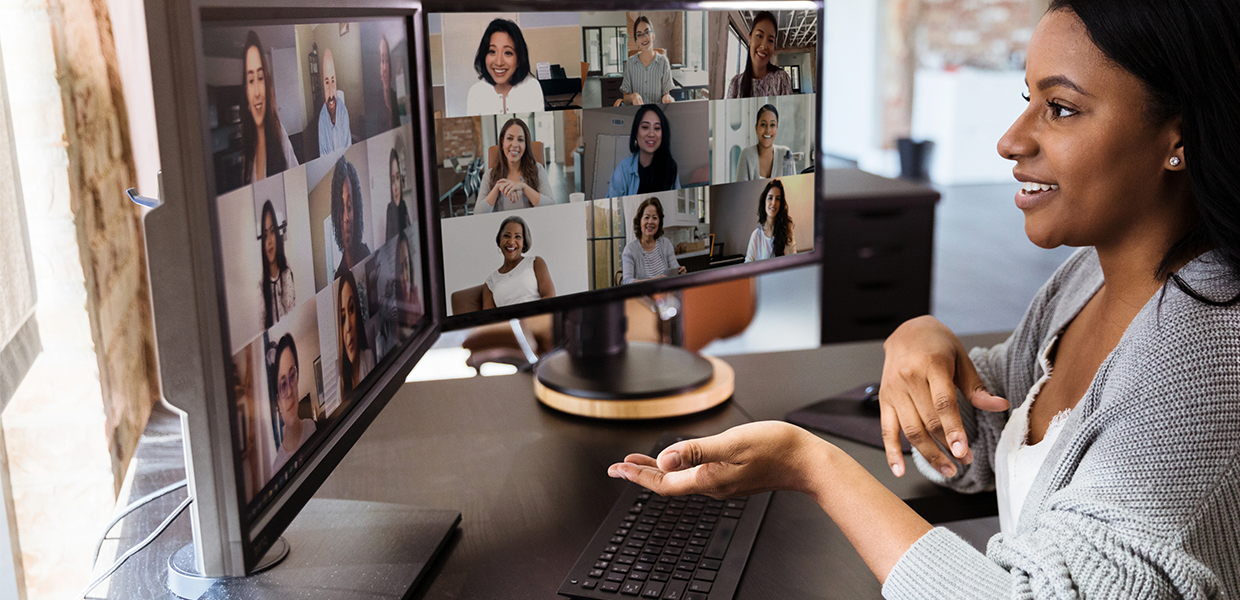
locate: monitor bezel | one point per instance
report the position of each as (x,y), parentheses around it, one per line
(224,544)
(645,288)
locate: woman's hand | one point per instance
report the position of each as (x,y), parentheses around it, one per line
(681,270)
(668,99)
(925,363)
(744,460)
(508,188)
(634,99)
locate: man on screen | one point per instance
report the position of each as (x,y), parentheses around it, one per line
(334,131)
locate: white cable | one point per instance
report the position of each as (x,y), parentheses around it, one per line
(139,503)
(140,545)
(522,341)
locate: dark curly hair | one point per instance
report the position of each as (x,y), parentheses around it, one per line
(518,41)
(346,172)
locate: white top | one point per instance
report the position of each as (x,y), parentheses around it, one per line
(1017,463)
(526,96)
(762,247)
(282,455)
(336,136)
(516,286)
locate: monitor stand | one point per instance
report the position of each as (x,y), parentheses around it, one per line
(339,549)
(601,374)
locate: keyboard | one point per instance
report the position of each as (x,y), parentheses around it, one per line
(682,548)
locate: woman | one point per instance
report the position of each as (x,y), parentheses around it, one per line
(503,65)
(1128,146)
(647,74)
(521,278)
(347,214)
(650,168)
(397,209)
(760,77)
(766,158)
(279,297)
(408,303)
(294,430)
(390,104)
(773,237)
(265,143)
(356,357)
(516,180)
(649,255)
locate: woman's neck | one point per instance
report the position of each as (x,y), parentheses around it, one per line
(646,55)
(260,153)
(649,241)
(768,228)
(273,270)
(511,263)
(513,171)
(645,158)
(292,434)
(765,152)
(760,72)
(503,89)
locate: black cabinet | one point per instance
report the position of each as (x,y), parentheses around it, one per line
(878,254)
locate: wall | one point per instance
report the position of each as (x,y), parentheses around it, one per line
(669,32)
(804,60)
(604,19)
(851,117)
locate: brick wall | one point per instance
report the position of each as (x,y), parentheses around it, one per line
(108,225)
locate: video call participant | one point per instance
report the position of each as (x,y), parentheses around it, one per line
(279,296)
(503,65)
(385,80)
(760,77)
(397,209)
(773,237)
(294,430)
(408,302)
(347,214)
(649,255)
(334,131)
(650,168)
(647,74)
(516,180)
(265,142)
(1126,148)
(766,158)
(521,278)
(355,356)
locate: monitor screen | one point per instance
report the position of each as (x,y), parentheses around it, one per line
(577,152)
(317,235)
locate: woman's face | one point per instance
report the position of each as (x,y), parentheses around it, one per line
(762,44)
(649,133)
(644,36)
(501,58)
(385,64)
(394,181)
(348,321)
(512,241)
(513,144)
(1091,162)
(286,386)
(269,237)
(767,127)
(650,221)
(255,85)
(346,215)
(404,280)
(774,200)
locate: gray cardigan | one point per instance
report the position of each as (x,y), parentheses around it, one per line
(633,265)
(1140,495)
(747,165)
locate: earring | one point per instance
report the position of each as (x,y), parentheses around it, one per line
(1175,161)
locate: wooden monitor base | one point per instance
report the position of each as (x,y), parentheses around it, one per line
(712,394)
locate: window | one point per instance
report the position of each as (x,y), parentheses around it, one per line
(605,226)
(695,40)
(794,73)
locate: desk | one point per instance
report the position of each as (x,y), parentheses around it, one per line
(532,486)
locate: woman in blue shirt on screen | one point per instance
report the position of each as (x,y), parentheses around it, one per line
(650,168)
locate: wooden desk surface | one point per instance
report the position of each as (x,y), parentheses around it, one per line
(531,483)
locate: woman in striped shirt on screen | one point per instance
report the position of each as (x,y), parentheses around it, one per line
(647,74)
(649,255)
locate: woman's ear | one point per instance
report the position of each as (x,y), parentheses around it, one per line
(1174,160)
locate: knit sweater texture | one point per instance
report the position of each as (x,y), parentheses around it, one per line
(1140,495)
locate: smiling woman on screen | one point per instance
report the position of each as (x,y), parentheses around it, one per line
(1109,422)
(503,64)
(521,278)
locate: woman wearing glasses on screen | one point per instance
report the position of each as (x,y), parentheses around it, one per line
(766,158)
(650,168)
(773,237)
(503,65)
(347,214)
(294,430)
(649,255)
(1108,422)
(521,278)
(516,180)
(265,143)
(760,77)
(356,357)
(279,297)
(647,74)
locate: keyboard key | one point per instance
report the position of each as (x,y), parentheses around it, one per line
(675,590)
(682,575)
(657,576)
(608,586)
(623,560)
(620,569)
(636,508)
(588,584)
(732,513)
(648,557)
(616,577)
(698,542)
(611,549)
(705,526)
(602,564)
(711,564)
(631,588)
(723,535)
(623,531)
(663,568)
(700,586)
(695,596)
(687,557)
(667,560)
(638,576)
(606,556)
(676,543)
(704,575)
(673,551)
(619,539)
(653,589)
(646,567)
(597,573)
(736,503)
(709,518)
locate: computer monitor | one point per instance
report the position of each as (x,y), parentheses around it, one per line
(685,142)
(290,274)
